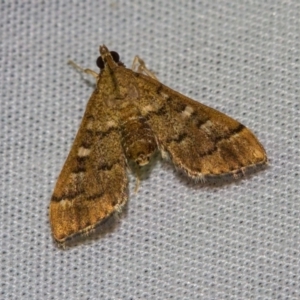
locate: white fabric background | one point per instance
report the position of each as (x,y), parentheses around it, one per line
(176,239)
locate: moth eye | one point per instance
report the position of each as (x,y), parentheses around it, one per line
(115,56)
(100,62)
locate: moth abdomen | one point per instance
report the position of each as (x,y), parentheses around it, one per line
(138,140)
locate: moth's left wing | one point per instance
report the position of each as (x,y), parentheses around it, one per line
(198,139)
(93,182)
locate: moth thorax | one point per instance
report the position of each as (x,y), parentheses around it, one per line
(138,140)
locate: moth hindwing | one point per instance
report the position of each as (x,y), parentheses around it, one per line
(129,116)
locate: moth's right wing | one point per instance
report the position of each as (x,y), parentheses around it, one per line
(93,182)
(198,139)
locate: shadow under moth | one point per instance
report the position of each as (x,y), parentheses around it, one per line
(130,116)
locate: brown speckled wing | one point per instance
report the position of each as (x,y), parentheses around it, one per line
(199,140)
(93,182)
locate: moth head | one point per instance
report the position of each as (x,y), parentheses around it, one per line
(111,58)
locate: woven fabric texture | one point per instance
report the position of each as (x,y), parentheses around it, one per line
(176,239)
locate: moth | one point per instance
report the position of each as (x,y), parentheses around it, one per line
(129,117)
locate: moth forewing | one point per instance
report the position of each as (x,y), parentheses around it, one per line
(200,140)
(128,117)
(93,182)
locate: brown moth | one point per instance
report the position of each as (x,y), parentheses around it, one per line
(129,116)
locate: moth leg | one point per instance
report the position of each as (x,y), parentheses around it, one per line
(137,184)
(136,171)
(86,71)
(139,66)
